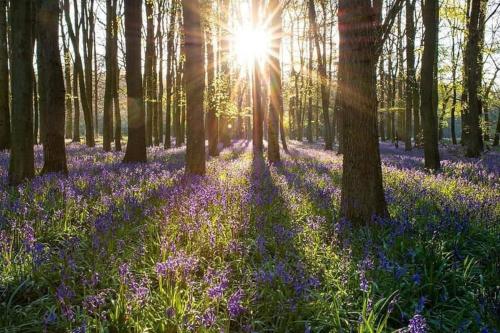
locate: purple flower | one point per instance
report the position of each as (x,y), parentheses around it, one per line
(208,319)
(417,324)
(363,282)
(234,305)
(124,271)
(81,329)
(170,312)
(93,303)
(416,278)
(28,237)
(64,293)
(49,318)
(67,312)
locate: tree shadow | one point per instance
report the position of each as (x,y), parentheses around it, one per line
(281,277)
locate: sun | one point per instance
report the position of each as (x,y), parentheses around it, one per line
(251,45)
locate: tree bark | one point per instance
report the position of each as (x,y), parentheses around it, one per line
(474,143)
(169,78)
(107,126)
(136,145)
(51,78)
(159,37)
(148,72)
(310,89)
(88,49)
(362,191)
(428,104)
(273,148)
(410,70)
(21,164)
(212,124)
(116,98)
(325,86)
(68,88)
(257,130)
(195,81)
(87,111)
(225,76)
(4,80)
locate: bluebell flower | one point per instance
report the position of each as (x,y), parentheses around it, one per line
(234,304)
(416,278)
(417,324)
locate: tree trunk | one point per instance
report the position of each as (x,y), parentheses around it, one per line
(159,36)
(136,145)
(282,127)
(325,86)
(148,72)
(474,142)
(169,78)
(4,80)
(454,57)
(68,88)
(382,104)
(76,104)
(427,107)
(22,164)
(116,97)
(257,130)
(36,104)
(225,76)
(107,127)
(212,125)
(195,81)
(88,46)
(273,148)
(87,111)
(96,82)
(52,87)
(410,68)
(362,191)
(310,89)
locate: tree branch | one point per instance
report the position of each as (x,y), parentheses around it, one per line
(386,27)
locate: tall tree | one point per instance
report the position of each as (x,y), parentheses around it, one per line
(22,165)
(257,130)
(136,145)
(473,67)
(116,97)
(88,28)
(325,85)
(107,121)
(195,81)
(225,75)
(148,72)
(212,124)
(51,80)
(159,104)
(410,71)
(4,80)
(361,36)
(428,105)
(67,82)
(273,149)
(170,71)
(87,110)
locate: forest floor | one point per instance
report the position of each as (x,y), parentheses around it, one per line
(250,247)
